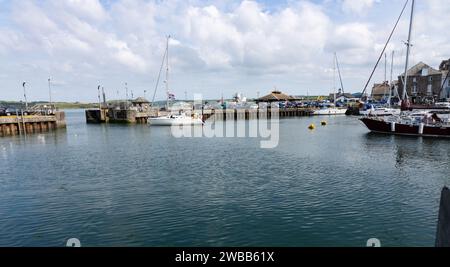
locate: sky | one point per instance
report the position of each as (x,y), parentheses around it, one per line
(217,47)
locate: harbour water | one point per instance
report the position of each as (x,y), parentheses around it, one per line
(118,185)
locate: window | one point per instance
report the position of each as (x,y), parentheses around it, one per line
(430,79)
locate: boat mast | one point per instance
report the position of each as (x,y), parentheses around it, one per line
(385,75)
(334,77)
(385,67)
(339,72)
(391,82)
(167,73)
(408,50)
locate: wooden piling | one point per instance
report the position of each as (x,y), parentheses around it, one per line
(443,228)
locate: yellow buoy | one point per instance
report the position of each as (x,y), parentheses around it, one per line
(312,126)
(324,123)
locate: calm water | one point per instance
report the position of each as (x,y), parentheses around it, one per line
(138,186)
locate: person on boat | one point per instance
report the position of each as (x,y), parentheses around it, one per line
(436,118)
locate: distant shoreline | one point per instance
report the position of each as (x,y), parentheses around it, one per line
(59,105)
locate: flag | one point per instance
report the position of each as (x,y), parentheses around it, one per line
(171,96)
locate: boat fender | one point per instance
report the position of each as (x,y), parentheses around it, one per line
(392,126)
(421,126)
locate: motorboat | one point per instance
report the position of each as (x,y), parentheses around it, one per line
(330,111)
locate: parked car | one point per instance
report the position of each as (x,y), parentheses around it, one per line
(2,111)
(14,111)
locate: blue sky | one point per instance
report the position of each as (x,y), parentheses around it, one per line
(218,47)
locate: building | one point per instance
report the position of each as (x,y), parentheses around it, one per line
(141,104)
(445,69)
(381,91)
(424,83)
(340,97)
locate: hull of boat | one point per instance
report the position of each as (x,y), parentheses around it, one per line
(174,121)
(330,111)
(381,126)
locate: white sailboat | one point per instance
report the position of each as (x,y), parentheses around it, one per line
(331,109)
(176,120)
(179,119)
(379,111)
(372,110)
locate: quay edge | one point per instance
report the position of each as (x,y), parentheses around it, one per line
(21,125)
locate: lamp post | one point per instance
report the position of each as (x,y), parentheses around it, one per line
(25,95)
(126,94)
(50,93)
(99,101)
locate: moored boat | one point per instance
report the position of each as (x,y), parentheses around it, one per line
(330,111)
(379,111)
(416,123)
(428,124)
(176,120)
(171,119)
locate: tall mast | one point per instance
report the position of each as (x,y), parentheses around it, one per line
(334,76)
(385,75)
(391,84)
(167,72)
(408,50)
(339,72)
(385,67)
(392,67)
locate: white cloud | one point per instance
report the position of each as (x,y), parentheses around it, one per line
(216,45)
(357,6)
(248,37)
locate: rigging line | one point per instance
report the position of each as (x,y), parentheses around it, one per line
(159,76)
(385,46)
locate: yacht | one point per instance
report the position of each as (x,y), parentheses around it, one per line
(379,111)
(176,120)
(172,119)
(330,108)
(417,123)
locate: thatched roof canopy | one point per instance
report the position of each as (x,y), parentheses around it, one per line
(275,96)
